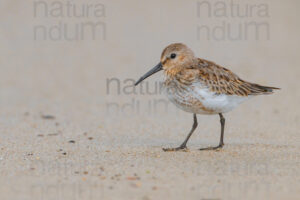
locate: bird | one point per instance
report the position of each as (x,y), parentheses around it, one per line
(200,86)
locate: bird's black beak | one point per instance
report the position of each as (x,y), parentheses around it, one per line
(155,69)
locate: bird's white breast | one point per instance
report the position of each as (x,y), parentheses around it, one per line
(219,103)
(200,100)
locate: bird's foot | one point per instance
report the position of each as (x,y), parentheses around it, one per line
(217,148)
(180,148)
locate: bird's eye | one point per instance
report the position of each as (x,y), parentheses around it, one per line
(173,55)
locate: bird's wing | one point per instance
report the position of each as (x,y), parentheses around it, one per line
(222,81)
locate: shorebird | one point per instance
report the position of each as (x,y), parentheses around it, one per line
(200,86)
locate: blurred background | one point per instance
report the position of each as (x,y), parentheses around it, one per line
(66,73)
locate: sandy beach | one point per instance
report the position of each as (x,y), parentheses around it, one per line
(73,127)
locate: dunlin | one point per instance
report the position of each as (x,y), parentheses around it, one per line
(200,86)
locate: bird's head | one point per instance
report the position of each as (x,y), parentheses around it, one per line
(173,58)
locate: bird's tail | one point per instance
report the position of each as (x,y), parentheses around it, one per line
(257,89)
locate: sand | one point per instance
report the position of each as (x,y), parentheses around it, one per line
(68,130)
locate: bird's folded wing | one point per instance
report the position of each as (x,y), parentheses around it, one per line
(222,81)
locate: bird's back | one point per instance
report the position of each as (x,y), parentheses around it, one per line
(222,81)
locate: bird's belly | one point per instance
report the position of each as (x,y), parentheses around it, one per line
(203,101)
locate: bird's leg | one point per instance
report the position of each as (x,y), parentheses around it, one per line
(221,144)
(183,145)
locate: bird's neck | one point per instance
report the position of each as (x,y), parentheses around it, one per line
(172,71)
